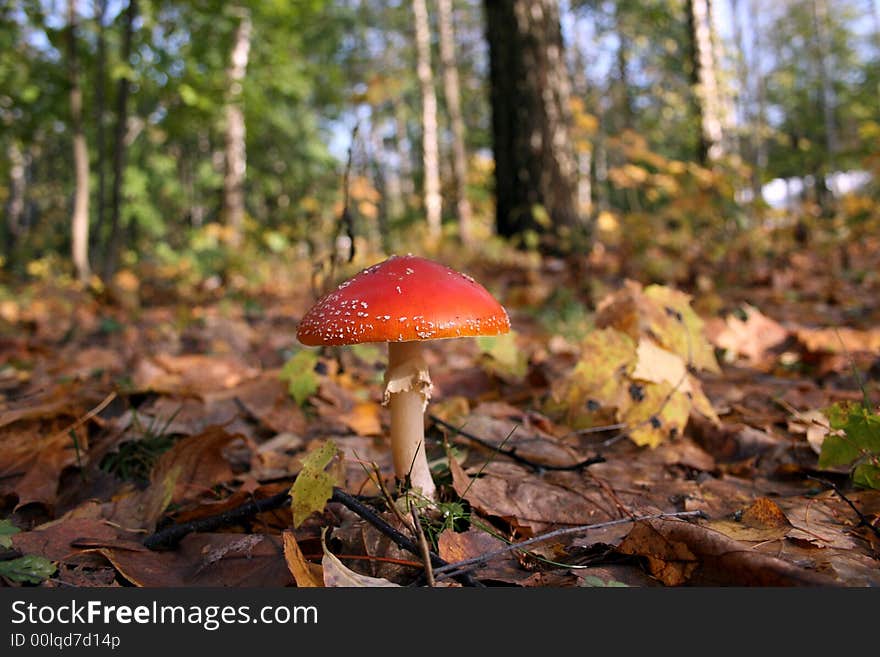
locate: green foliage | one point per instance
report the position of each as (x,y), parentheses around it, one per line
(313,485)
(7,531)
(854,442)
(134,459)
(29,569)
(299,373)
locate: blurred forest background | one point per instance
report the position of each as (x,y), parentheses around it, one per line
(205,137)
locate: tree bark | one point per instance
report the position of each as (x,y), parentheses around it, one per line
(15,202)
(100,117)
(535,168)
(430,148)
(707,103)
(236,151)
(111,253)
(452,93)
(80,217)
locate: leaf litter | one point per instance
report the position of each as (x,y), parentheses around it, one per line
(749,415)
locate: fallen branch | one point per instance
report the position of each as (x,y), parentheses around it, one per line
(460,567)
(172,535)
(512,454)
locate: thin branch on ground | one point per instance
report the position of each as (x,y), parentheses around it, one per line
(459,567)
(172,535)
(863,519)
(512,453)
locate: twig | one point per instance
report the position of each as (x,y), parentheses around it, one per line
(457,568)
(512,454)
(863,519)
(171,535)
(423,544)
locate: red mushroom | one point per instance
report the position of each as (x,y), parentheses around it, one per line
(404,301)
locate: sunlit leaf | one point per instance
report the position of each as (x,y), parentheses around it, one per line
(313,485)
(299,374)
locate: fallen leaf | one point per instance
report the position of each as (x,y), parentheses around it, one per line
(337,575)
(200,462)
(763,520)
(305,573)
(753,337)
(313,485)
(363,419)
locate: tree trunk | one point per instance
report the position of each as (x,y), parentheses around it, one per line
(430,148)
(100,117)
(707,103)
(111,253)
(80,218)
(452,92)
(236,151)
(535,168)
(825,98)
(15,202)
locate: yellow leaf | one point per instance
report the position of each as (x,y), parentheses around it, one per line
(305,574)
(313,486)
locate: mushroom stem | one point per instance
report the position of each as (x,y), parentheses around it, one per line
(407,390)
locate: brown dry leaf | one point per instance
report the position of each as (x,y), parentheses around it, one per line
(190,374)
(200,462)
(839,340)
(306,574)
(364,419)
(268,400)
(812,423)
(763,520)
(683,553)
(234,560)
(55,540)
(532,503)
(458,546)
(753,337)
(528,441)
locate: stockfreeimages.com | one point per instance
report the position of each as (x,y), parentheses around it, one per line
(210,617)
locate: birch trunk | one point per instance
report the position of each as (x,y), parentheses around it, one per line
(80,217)
(452,92)
(236,152)
(430,148)
(705,81)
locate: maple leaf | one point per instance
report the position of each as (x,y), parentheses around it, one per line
(313,485)
(854,442)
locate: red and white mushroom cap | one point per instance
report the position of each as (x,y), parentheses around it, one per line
(402,299)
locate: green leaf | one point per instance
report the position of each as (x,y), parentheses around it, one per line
(593,581)
(867,475)
(299,373)
(838,450)
(29,569)
(313,486)
(7,530)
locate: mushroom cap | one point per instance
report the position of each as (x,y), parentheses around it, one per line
(402,299)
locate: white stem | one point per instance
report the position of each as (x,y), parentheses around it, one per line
(407,391)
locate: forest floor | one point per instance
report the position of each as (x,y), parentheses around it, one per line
(157,404)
